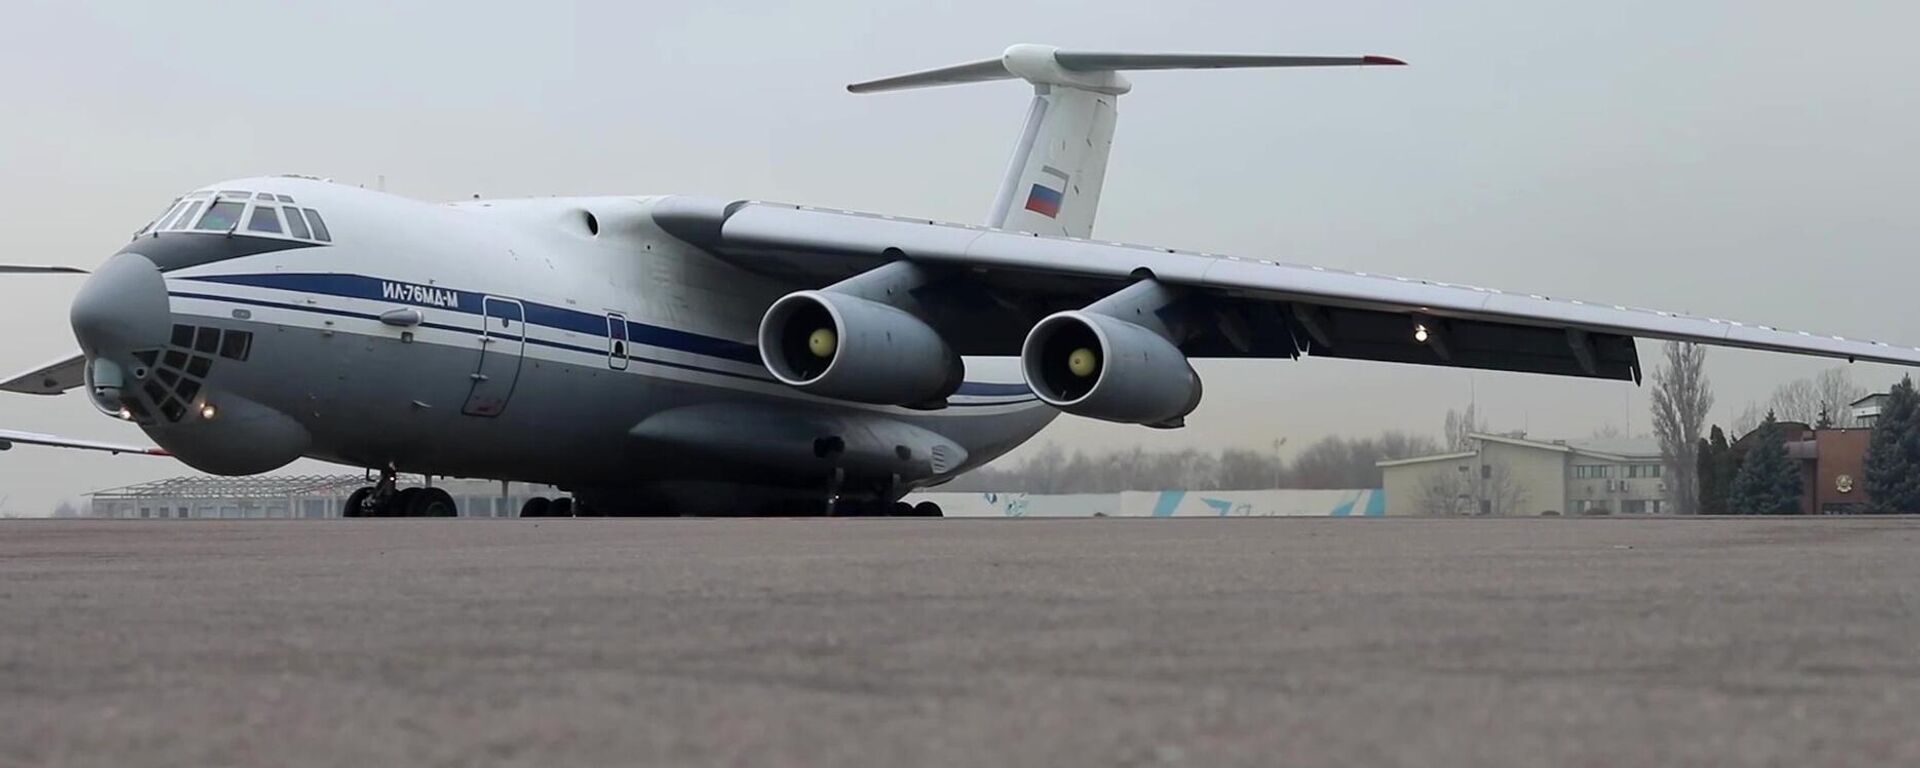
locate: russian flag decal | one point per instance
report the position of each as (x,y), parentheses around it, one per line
(1044,199)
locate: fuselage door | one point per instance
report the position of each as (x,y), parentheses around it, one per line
(503,328)
(617,342)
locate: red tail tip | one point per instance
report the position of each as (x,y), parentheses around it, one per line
(1383,61)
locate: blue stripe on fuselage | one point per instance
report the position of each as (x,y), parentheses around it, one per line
(537,314)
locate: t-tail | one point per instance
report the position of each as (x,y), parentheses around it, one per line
(1052,186)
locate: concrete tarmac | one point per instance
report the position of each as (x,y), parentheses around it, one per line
(960,642)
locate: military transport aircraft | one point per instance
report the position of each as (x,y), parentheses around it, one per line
(680,355)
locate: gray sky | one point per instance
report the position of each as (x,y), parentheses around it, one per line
(1754,159)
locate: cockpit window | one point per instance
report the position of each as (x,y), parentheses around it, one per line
(159,221)
(263,196)
(285,198)
(222,215)
(319,227)
(295,225)
(264,220)
(186,216)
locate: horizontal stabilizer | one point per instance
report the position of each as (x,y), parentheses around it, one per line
(1047,65)
(1090,61)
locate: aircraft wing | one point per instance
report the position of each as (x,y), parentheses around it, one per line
(8,438)
(1264,308)
(50,379)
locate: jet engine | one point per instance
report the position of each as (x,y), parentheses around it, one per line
(849,348)
(1096,365)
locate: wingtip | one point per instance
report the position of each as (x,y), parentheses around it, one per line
(1383,61)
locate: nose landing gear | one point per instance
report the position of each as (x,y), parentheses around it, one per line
(384,499)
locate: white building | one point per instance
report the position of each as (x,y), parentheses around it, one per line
(1500,475)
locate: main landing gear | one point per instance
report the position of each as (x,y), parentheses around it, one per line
(875,508)
(563,506)
(383,499)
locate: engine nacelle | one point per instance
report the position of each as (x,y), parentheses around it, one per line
(1102,367)
(849,348)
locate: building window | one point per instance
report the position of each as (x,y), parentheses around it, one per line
(1592,471)
(1486,471)
(1643,470)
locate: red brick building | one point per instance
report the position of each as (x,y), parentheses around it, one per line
(1832,466)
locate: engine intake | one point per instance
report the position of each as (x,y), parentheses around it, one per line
(849,348)
(1102,367)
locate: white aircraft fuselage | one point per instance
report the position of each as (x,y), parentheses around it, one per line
(568,341)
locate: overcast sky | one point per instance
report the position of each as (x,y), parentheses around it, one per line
(1751,159)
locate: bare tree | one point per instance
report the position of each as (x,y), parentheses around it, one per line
(66,508)
(1504,493)
(1837,393)
(1797,400)
(1681,399)
(1445,492)
(1748,420)
(1460,428)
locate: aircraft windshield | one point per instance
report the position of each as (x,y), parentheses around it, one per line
(262,214)
(222,216)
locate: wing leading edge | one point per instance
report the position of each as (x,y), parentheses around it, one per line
(50,379)
(9,437)
(1280,309)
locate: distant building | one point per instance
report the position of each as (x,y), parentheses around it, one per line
(1832,463)
(282,496)
(1501,475)
(1866,410)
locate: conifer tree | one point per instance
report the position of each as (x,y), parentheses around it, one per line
(1768,482)
(1893,453)
(1716,473)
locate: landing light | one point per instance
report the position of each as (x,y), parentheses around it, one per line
(1420,333)
(126,414)
(207,411)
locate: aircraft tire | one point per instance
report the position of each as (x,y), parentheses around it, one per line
(537,506)
(355,501)
(561,507)
(927,509)
(401,504)
(430,502)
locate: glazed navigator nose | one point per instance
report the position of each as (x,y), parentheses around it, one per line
(120,309)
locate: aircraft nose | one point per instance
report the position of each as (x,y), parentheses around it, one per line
(122,308)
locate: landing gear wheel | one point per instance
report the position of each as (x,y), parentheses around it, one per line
(535,507)
(927,509)
(428,502)
(902,509)
(561,507)
(356,503)
(401,504)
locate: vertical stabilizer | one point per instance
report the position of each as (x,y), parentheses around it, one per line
(1052,184)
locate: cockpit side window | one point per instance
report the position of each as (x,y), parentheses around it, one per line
(319,227)
(161,220)
(222,215)
(263,220)
(186,216)
(295,225)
